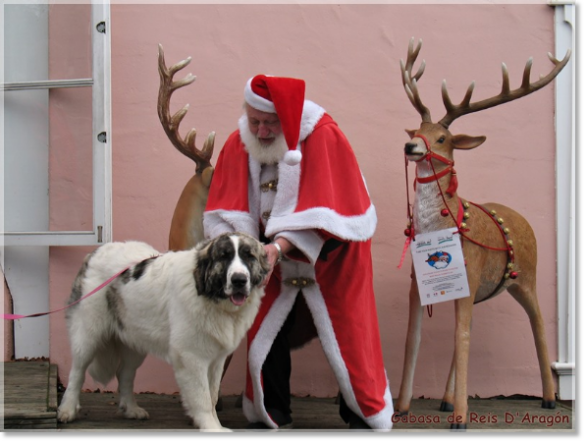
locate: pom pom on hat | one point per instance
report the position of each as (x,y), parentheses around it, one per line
(292,157)
(283,96)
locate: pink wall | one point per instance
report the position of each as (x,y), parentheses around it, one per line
(349,56)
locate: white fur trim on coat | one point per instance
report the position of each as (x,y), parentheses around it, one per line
(327,336)
(220,221)
(260,347)
(351,228)
(271,325)
(307,241)
(312,113)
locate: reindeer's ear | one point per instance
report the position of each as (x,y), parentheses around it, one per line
(463,141)
(411,132)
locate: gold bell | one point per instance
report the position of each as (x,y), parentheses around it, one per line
(510,266)
(500,221)
(463,225)
(506,276)
(510,242)
(466,215)
(506,230)
(493,212)
(466,205)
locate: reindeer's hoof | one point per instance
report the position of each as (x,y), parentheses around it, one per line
(446,407)
(458,427)
(548,404)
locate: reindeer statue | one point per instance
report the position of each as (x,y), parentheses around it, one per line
(187,223)
(498,244)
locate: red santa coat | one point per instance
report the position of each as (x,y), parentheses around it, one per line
(324,197)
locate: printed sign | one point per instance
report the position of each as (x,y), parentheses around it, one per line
(439,266)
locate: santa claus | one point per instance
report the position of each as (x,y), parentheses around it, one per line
(289,177)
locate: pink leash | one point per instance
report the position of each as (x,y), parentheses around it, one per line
(103,285)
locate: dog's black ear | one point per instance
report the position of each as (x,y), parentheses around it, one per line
(260,270)
(263,260)
(201,271)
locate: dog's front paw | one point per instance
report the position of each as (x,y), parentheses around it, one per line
(66,414)
(136,413)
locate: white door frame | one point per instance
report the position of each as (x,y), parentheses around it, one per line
(102,142)
(24,252)
(565,118)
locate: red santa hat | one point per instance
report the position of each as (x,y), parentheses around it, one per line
(284,97)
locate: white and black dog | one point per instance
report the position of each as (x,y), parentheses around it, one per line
(191,308)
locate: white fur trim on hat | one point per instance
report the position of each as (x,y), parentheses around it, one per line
(256,101)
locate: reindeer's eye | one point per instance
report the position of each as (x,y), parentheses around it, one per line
(441,140)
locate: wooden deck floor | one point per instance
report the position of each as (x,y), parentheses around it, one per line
(30,394)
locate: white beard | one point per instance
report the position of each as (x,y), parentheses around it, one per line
(264,154)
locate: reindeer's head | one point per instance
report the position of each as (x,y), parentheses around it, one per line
(434,141)
(440,140)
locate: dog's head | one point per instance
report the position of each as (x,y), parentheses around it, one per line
(229,267)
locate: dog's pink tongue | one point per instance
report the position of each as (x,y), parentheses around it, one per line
(238,299)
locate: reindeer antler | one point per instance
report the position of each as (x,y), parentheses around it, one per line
(171,124)
(410,81)
(506,95)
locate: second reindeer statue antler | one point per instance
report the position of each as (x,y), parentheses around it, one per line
(499,246)
(187,223)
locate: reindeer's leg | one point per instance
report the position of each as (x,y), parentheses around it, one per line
(461,356)
(526,295)
(447,404)
(411,349)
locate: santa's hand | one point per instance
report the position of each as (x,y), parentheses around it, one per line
(275,253)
